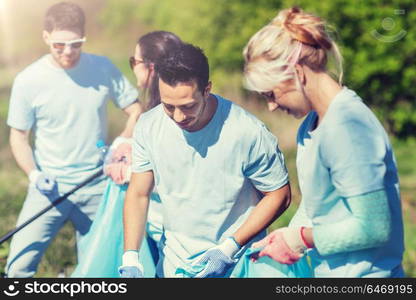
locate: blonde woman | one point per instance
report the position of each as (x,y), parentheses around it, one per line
(347,170)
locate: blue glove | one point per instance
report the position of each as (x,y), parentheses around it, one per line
(131,267)
(219,259)
(44,182)
(130,272)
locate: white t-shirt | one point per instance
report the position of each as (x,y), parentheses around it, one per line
(68,111)
(347,155)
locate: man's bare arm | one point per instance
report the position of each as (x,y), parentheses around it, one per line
(135,209)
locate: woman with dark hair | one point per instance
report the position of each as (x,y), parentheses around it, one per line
(150,48)
(104,243)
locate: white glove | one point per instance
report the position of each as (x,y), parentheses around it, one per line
(120,140)
(44,182)
(131,267)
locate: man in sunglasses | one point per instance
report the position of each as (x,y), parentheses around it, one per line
(63,96)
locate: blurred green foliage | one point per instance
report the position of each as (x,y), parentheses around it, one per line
(375,36)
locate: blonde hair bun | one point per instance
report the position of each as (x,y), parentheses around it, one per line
(270,52)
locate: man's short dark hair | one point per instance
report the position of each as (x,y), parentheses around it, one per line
(185,64)
(65,16)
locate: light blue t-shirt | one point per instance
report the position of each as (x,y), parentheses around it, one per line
(207,180)
(68,111)
(349,154)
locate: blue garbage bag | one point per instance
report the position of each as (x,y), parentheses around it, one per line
(264,267)
(103,244)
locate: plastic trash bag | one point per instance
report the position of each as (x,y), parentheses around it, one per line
(103,244)
(267,267)
(264,267)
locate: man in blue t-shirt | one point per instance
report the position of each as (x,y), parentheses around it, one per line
(218,170)
(63,98)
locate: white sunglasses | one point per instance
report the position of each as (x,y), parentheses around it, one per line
(61,45)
